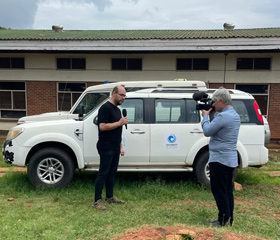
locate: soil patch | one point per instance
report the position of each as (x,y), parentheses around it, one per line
(196,233)
(4,170)
(274,173)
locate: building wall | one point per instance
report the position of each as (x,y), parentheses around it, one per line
(42,67)
(41,97)
(274,107)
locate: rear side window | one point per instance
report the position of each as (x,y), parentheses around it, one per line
(169,111)
(176,111)
(245,109)
(241,109)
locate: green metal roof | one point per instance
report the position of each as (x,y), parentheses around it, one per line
(11,34)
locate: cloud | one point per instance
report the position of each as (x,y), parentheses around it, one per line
(71,14)
(139,14)
(17,13)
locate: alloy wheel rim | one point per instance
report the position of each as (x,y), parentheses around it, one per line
(207,171)
(50,170)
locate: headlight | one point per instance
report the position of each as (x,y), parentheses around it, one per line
(13,133)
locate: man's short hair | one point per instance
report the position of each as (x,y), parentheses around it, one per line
(222,93)
(115,89)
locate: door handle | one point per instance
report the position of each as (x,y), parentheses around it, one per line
(137,132)
(196,131)
(79,133)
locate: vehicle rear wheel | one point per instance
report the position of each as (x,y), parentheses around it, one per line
(51,168)
(202,170)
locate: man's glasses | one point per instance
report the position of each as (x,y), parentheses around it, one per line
(122,95)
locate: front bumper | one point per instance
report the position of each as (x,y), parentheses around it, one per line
(8,155)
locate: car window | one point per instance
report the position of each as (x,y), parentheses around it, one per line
(176,111)
(192,114)
(241,109)
(91,101)
(170,110)
(134,108)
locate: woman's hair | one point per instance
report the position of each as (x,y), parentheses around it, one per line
(222,93)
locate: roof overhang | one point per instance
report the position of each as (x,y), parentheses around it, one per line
(154,45)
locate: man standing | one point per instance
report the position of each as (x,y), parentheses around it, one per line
(223,132)
(109,147)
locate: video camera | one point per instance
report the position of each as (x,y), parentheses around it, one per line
(201,96)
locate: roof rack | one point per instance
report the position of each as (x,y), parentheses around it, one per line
(176,90)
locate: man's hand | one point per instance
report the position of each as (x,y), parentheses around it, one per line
(204,112)
(123,121)
(122,152)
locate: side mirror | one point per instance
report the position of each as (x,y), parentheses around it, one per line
(95,120)
(81,114)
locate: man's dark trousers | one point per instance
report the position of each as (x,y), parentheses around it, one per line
(222,187)
(109,161)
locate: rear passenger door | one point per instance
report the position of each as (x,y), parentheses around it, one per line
(175,130)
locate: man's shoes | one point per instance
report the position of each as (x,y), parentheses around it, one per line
(99,205)
(217,223)
(214,224)
(114,200)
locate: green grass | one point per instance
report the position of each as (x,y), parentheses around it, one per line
(152,199)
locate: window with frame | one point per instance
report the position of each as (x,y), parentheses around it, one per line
(12,100)
(260,93)
(127,64)
(242,111)
(68,94)
(17,63)
(253,63)
(71,63)
(176,111)
(192,64)
(134,108)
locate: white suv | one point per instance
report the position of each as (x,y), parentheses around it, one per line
(163,134)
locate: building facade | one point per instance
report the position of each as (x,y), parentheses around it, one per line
(46,71)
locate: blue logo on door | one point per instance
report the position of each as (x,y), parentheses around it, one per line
(172,138)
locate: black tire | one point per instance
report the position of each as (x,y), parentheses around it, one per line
(51,168)
(201,169)
(234,174)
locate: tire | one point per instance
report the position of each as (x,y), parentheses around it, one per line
(201,169)
(51,168)
(234,174)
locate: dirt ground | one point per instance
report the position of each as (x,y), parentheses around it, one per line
(17,169)
(182,233)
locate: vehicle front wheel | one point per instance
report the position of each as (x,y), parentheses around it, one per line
(51,168)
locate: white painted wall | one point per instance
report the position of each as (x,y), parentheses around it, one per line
(42,67)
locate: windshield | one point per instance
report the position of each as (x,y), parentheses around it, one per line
(90,101)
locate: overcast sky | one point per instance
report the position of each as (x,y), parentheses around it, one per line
(138,14)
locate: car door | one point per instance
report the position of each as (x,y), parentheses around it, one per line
(136,136)
(175,130)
